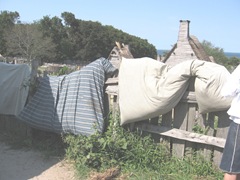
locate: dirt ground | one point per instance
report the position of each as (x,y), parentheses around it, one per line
(20,164)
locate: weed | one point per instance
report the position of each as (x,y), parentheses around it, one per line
(135,155)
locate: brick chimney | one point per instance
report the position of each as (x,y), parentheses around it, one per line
(183,34)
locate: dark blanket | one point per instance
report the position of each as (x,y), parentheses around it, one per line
(70,103)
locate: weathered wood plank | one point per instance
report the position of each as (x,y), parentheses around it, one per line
(112,90)
(222,131)
(180,122)
(167,122)
(182,135)
(190,125)
(206,122)
(112,81)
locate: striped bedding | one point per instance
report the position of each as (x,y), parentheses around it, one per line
(70,103)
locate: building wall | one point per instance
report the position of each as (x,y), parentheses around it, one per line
(182,53)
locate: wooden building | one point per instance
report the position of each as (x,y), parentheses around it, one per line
(119,51)
(187,47)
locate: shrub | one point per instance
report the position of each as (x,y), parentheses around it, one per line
(135,154)
(116,147)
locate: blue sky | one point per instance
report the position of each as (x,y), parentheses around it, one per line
(216,21)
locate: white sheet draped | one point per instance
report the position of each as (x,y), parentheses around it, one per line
(148,88)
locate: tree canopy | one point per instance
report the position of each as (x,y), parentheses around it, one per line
(65,38)
(27,41)
(7,21)
(219,56)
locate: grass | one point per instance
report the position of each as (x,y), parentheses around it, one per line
(137,156)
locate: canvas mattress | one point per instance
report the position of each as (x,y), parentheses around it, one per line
(149,88)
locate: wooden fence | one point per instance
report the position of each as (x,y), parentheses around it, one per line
(183,129)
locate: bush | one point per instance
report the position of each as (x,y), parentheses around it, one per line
(116,147)
(135,155)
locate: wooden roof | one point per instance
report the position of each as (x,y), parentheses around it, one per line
(187,47)
(118,52)
(198,49)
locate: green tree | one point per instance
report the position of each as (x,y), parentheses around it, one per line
(216,52)
(92,39)
(27,41)
(7,22)
(232,63)
(53,28)
(66,38)
(74,35)
(219,56)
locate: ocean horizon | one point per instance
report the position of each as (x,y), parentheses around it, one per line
(228,54)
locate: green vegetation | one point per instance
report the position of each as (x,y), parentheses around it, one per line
(67,38)
(127,155)
(57,39)
(138,157)
(219,56)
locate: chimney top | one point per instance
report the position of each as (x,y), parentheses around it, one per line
(183,34)
(185,21)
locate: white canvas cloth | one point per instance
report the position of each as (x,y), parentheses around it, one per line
(13,87)
(210,79)
(148,88)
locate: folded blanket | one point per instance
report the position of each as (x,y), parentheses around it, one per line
(70,103)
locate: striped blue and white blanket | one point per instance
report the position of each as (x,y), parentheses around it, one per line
(70,103)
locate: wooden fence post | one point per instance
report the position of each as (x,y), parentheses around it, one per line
(222,130)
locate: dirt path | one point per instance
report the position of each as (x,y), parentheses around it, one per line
(19,164)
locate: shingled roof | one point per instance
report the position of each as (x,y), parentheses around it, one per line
(187,47)
(119,51)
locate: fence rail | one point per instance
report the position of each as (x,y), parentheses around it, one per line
(184,129)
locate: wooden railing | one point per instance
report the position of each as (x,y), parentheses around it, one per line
(182,129)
